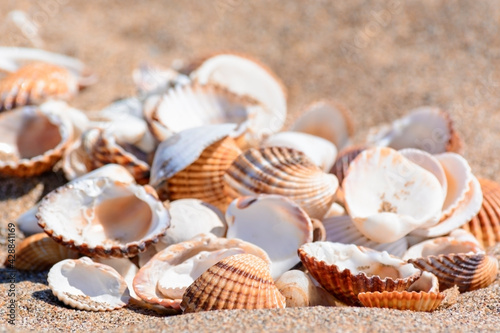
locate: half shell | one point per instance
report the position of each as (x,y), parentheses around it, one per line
(344,159)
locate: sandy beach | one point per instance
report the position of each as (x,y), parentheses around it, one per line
(379,59)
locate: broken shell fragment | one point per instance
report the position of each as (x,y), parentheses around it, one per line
(241,281)
(86,285)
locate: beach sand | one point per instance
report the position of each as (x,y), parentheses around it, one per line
(379,59)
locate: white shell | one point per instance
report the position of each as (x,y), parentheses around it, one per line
(274,223)
(123,266)
(86,285)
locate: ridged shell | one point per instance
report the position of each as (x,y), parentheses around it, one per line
(31,141)
(242,281)
(344,159)
(101,217)
(86,285)
(35,83)
(282,171)
(39,252)
(485,226)
(347,270)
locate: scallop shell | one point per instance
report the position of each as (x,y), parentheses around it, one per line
(31,141)
(485,226)
(86,285)
(320,151)
(191,164)
(101,217)
(187,260)
(241,281)
(282,171)
(344,159)
(39,252)
(328,120)
(347,270)
(385,194)
(274,223)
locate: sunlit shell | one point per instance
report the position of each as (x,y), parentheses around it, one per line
(283,171)
(241,281)
(328,120)
(485,226)
(101,217)
(388,196)
(31,141)
(248,77)
(77,118)
(274,223)
(320,151)
(39,252)
(347,270)
(183,263)
(344,159)
(423,295)
(86,285)
(151,79)
(191,164)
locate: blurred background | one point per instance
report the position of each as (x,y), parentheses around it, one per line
(379,58)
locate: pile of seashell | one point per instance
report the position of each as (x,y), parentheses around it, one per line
(189,197)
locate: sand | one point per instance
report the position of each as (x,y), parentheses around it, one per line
(380,59)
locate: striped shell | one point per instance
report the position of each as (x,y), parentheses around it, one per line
(347,270)
(282,171)
(344,159)
(242,281)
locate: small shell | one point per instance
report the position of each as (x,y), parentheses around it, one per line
(31,141)
(102,217)
(282,171)
(86,285)
(39,252)
(241,281)
(274,223)
(319,232)
(344,159)
(485,226)
(152,80)
(347,270)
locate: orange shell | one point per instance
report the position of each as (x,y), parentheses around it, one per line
(416,301)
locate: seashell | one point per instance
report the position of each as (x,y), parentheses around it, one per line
(75,117)
(344,159)
(335,209)
(183,263)
(319,232)
(275,224)
(485,226)
(31,141)
(341,229)
(241,281)
(247,77)
(126,268)
(34,83)
(102,217)
(76,162)
(423,295)
(326,119)
(425,128)
(191,164)
(39,252)
(384,194)
(320,151)
(86,285)
(347,270)
(299,290)
(152,80)
(283,171)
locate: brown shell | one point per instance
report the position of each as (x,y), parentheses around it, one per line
(467,271)
(319,231)
(344,158)
(415,301)
(485,226)
(39,252)
(282,171)
(34,83)
(242,281)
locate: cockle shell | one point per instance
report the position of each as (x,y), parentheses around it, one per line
(384,194)
(152,79)
(347,270)
(274,223)
(86,285)
(39,252)
(183,262)
(485,226)
(283,171)
(102,217)
(241,281)
(344,159)
(31,141)
(328,120)
(191,164)
(320,151)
